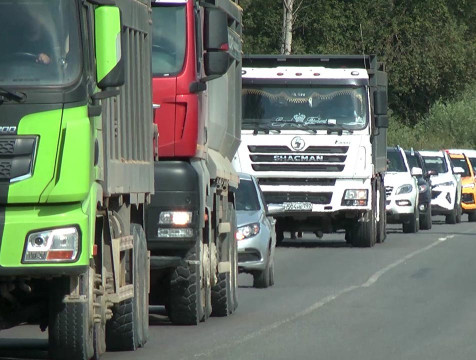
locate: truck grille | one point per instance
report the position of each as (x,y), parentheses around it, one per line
(388,190)
(312,159)
(17,155)
(309,150)
(297,181)
(298,167)
(281,197)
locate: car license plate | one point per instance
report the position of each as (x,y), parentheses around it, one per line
(297,206)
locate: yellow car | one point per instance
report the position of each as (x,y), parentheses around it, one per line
(468,184)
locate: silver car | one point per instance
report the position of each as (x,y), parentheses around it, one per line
(255,233)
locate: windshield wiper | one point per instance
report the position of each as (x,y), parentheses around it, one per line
(339,129)
(265,128)
(11,95)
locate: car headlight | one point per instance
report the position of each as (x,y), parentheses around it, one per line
(247,231)
(404,189)
(448,183)
(177,218)
(468,186)
(422,188)
(54,245)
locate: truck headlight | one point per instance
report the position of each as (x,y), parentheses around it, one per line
(247,231)
(54,245)
(404,189)
(355,197)
(468,186)
(177,218)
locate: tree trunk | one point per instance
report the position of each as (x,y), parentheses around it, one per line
(287,26)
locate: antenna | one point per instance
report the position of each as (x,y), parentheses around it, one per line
(363,45)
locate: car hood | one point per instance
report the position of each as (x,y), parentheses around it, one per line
(244,217)
(398,178)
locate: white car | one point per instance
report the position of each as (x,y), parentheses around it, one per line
(401,188)
(446,186)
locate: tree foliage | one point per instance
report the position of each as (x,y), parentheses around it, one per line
(429,46)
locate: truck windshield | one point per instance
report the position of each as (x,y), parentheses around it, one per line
(462,163)
(39,42)
(168,39)
(395,162)
(435,163)
(292,107)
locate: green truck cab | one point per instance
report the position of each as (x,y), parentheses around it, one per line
(76,169)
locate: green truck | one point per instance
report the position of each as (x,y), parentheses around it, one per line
(76,170)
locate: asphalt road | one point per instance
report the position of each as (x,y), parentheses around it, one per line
(413,297)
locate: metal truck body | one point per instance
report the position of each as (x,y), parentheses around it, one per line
(76,171)
(314,134)
(196,63)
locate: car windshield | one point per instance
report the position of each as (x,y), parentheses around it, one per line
(39,42)
(297,107)
(395,161)
(473,163)
(462,163)
(436,163)
(246,196)
(168,39)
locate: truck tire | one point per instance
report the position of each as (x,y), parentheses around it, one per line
(187,303)
(412,225)
(129,326)
(472,216)
(382,223)
(425,220)
(364,234)
(224,300)
(70,326)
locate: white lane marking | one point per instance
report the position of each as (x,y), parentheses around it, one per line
(371,281)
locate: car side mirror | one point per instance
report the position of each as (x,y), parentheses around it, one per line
(380,102)
(216,58)
(274,209)
(416,171)
(458,170)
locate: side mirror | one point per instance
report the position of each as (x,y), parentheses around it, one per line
(458,170)
(416,171)
(431,172)
(109,61)
(381,121)
(275,209)
(216,59)
(380,102)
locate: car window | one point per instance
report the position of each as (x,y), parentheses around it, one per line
(462,163)
(436,163)
(246,196)
(412,160)
(395,161)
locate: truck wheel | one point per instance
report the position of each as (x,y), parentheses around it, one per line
(425,221)
(187,290)
(382,224)
(70,326)
(128,328)
(413,223)
(472,216)
(224,300)
(364,234)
